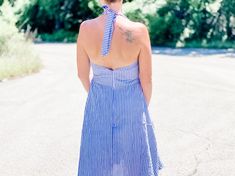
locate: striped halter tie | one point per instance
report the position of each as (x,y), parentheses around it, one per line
(108,31)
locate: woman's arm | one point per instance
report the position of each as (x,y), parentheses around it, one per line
(145,64)
(83,63)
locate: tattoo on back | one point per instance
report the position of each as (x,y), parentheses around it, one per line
(128,35)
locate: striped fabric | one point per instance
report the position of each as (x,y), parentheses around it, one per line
(118,137)
(108,30)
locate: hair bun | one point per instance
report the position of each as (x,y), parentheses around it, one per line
(110,1)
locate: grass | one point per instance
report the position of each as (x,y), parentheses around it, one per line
(17,55)
(20,60)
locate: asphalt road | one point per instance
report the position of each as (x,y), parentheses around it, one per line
(192,107)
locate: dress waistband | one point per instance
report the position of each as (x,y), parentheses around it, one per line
(118,78)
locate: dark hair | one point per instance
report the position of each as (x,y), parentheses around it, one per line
(110,1)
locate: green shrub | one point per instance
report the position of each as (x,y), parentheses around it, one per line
(17,55)
(58,36)
(49,16)
(212,44)
(164,29)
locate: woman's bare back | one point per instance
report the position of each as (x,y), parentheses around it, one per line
(125,43)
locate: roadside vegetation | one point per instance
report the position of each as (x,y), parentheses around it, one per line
(17,55)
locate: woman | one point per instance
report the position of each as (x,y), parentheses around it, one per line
(117,134)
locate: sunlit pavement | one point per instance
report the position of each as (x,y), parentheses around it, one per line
(192,107)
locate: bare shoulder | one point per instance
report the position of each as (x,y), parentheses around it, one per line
(140,26)
(84,26)
(140,31)
(88,26)
(89,23)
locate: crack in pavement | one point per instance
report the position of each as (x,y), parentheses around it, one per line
(194,171)
(208,146)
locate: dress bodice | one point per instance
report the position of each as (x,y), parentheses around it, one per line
(118,77)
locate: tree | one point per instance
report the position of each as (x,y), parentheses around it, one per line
(49,16)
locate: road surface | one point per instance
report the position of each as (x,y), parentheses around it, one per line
(192,107)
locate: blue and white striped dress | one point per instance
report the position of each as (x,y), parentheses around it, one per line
(118,136)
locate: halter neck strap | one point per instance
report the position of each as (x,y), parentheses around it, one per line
(109,26)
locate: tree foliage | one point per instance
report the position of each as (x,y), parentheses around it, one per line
(49,16)
(175,22)
(182,21)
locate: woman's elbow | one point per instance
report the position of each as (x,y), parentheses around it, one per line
(81,75)
(145,79)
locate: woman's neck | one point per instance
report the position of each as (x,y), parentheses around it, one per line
(116,6)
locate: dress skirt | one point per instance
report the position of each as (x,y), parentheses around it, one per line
(118,136)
